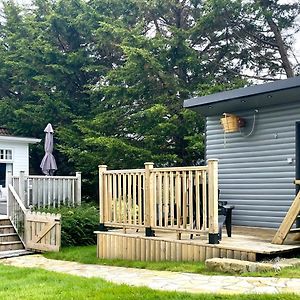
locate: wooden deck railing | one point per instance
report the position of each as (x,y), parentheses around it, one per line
(48,191)
(182,199)
(123,194)
(16,212)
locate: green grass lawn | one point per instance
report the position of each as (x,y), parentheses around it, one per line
(31,284)
(87,255)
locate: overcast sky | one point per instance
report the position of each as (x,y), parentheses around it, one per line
(297,37)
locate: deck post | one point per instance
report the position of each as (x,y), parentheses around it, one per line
(78,188)
(148,198)
(102,199)
(9,178)
(9,181)
(213,234)
(22,186)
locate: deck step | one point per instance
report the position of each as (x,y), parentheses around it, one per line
(9,237)
(13,245)
(6,229)
(5,222)
(14,253)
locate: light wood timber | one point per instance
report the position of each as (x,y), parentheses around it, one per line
(164,246)
(287,222)
(213,195)
(102,169)
(148,192)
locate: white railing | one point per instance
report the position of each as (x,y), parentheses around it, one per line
(48,191)
(16,212)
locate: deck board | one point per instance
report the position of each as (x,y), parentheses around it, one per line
(245,244)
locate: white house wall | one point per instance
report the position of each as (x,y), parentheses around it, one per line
(255,173)
(20,156)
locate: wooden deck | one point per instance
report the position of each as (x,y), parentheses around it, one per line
(246,243)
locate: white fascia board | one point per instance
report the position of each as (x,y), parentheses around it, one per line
(6,138)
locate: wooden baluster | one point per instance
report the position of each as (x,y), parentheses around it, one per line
(191,196)
(120,200)
(36,201)
(184,199)
(124,199)
(27,182)
(63,192)
(114,200)
(134,194)
(172,197)
(166,200)
(49,192)
(70,192)
(129,210)
(140,199)
(204,199)
(160,202)
(178,197)
(109,197)
(198,201)
(154,208)
(43,188)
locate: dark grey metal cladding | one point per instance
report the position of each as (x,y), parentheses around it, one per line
(255,172)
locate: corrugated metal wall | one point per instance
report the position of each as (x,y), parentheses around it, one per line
(254,172)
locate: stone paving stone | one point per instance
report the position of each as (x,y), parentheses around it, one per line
(163,280)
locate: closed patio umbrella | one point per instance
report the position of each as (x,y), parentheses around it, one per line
(48,164)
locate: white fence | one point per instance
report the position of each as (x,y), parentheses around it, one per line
(48,191)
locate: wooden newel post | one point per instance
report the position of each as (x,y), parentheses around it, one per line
(9,178)
(78,188)
(9,182)
(148,198)
(22,186)
(213,235)
(102,198)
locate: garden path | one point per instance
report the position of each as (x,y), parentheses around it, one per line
(163,280)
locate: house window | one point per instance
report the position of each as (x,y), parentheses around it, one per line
(5,154)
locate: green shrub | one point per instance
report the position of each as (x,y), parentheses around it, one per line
(77,224)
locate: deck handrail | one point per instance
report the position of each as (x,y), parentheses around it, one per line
(16,212)
(193,168)
(173,199)
(127,171)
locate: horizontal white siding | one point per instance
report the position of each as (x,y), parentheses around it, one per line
(254,173)
(20,156)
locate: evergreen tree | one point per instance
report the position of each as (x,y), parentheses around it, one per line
(111,76)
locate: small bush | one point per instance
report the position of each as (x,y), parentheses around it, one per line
(77,224)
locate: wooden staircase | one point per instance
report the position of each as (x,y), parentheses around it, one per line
(10,243)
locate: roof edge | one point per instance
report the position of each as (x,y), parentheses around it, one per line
(20,139)
(244,92)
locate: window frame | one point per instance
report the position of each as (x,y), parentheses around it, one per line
(7,154)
